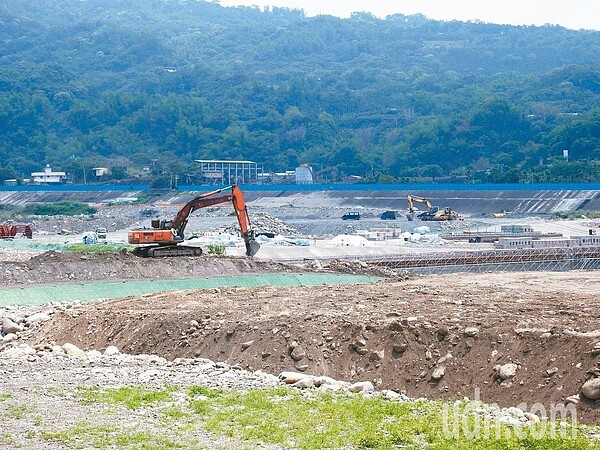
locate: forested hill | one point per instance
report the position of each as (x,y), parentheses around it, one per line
(132,83)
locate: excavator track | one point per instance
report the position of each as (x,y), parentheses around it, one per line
(169,250)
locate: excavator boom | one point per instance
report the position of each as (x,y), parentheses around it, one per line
(433,213)
(164,237)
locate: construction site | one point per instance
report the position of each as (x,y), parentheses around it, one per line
(420,306)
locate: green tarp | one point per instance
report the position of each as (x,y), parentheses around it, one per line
(40,295)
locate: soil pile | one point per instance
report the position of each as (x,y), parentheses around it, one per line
(518,337)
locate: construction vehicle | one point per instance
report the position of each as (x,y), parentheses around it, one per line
(165,238)
(12,230)
(433,213)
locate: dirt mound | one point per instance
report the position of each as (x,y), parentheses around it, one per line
(441,336)
(69,267)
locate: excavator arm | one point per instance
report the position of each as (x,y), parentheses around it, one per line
(413,198)
(178,224)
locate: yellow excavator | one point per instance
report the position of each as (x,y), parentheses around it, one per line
(433,213)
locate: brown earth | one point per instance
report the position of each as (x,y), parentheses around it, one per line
(393,332)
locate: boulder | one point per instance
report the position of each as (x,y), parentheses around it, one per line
(8,326)
(471,331)
(292,377)
(591,389)
(438,372)
(72,350)
(298,353)
(362,386)
(111,350)
(507,371)
(37,317)
(9,338)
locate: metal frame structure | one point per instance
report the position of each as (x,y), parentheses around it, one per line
(547,259)
(214,171)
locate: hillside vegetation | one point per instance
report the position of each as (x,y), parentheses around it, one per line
(128,84)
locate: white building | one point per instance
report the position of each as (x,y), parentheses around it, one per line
(304,174)
(47,176)
(101,171)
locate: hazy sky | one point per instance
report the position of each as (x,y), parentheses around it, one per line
(574,14)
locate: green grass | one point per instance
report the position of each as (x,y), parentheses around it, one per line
(577,214)
(130,397)
(310,420)
(318,421)
(85,435)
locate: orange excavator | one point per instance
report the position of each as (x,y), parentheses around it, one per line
(166,236)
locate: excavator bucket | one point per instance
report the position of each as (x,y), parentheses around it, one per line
(251,248)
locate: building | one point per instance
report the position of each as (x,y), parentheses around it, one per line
(304,175)
(213,171)
(48,176)
(101,171)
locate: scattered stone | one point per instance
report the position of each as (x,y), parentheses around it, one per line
(304,383)
(9,338)
(111,350)
(8,327)
(94,354)
(362,386)
(552,371)
(573,399)
(438,372)
(591,389)
(298,353)
(377,355)
(507,371)
(18,352)
(246,344)
(360,342)
(400,348)
(471,331)
(442,332)
(72,350)
(291,377)
(38,317)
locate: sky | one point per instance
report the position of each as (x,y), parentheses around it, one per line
(574,14)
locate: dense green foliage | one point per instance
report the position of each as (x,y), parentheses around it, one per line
(58,209)
(128,84)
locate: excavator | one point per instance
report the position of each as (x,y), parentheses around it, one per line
(166,236)
(433,213)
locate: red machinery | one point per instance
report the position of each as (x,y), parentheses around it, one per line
(165,236)
(10,231)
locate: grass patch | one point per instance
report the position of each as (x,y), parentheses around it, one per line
(14,412)
(97,248)
(85,435)
(4,396)
(130,397)
(318,421)
(216,249)
(58,209)
(582,214)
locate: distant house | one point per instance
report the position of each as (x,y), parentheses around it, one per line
(48,176)
(101,171)
(353,179)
